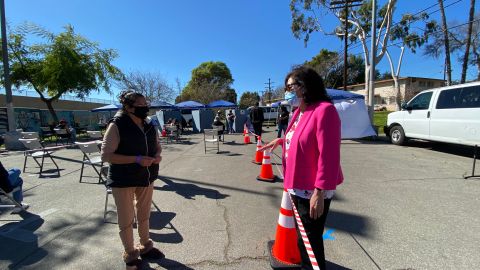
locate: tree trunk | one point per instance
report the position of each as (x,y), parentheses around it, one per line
(398,93)
(367,82)
(467,44)
(51,110)
(448,64)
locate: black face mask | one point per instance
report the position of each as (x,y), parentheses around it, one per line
(141,111)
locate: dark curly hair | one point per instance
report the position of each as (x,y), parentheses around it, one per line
(313,89)
(128,98)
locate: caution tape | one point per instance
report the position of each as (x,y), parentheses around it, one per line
(305,240)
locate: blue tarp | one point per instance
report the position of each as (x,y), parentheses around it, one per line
(221,104)
(161,105)
(190,104)
(107,108)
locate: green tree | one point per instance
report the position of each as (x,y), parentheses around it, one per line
(248,99)
(329,65)
(210,81)
(59,64)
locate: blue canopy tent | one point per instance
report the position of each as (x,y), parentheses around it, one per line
(108,108)
(221,104)
(161,105)
(190,104)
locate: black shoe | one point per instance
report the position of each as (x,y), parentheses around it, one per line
(153,254)
(137,263)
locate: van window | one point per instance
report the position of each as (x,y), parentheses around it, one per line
(421,102)
(468,97)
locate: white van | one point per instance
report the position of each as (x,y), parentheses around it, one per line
(449,114)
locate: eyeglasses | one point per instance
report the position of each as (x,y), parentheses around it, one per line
(290,86)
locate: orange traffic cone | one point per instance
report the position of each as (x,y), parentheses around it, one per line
(284,252)
(246,138)
(258,154)
(266,172)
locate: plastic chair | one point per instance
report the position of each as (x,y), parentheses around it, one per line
(91,156)
(30,135)
(62,136)
(94,134)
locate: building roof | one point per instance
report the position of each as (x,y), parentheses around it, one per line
(400,79)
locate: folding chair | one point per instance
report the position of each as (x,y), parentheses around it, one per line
(62,136)
(173,133)
(91,156)
(46,132)
(94,134)
(36,151)
(211,136)
(10,197)
(30,135)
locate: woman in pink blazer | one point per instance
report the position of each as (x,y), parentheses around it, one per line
(311,156)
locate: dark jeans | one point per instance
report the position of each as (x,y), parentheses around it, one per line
(280,128)
(257,127)
(314,231)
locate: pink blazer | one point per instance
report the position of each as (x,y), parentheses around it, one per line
(314,153)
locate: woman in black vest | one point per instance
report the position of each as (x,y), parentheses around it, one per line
(132,148)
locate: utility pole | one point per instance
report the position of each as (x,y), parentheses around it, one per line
(6,70)
(269,89)
(373,55)
(345,4)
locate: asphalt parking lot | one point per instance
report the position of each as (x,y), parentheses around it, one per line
(399,208)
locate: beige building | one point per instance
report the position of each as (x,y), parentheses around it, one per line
(385,90)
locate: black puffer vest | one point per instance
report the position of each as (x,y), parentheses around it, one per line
(133,142)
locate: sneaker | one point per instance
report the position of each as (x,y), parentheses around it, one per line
(18,209)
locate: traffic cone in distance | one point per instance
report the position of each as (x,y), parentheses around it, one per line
(266,172)
(258,154)
(246,138)
(284,252)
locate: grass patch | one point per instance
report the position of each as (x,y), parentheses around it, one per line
(380,120)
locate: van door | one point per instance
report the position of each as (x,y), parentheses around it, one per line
(416,122)
(456,117)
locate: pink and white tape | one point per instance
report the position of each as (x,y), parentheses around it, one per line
(306,242)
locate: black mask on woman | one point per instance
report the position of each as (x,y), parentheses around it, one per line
(141,111)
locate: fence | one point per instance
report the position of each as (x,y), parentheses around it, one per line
(27,93)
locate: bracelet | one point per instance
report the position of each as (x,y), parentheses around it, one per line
(138,159)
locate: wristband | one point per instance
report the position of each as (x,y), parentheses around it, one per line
(138,159)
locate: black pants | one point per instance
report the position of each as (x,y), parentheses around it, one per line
(257,128)
(314,230)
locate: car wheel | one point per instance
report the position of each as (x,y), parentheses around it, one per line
(397,135)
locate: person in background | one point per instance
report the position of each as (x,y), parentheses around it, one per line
(256,117)
(218,123)
(71,132)
(9,181)
(131,147)
(231,121)
(310,156)
(282,121)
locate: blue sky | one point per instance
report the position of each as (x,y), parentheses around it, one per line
(252,37)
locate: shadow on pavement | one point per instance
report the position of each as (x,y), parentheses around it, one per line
(189,191)
(18,240)
(334,266)
(348,222)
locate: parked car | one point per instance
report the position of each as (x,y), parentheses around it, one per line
(449,114)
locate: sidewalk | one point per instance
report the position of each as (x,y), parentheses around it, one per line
(399,208)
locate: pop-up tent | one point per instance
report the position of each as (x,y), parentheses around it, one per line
(353,114)
(352,111)
(107,108)
(190,104)
(161,105)
(221,104)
